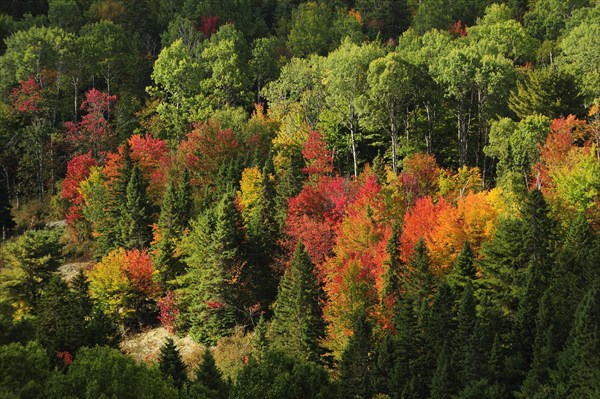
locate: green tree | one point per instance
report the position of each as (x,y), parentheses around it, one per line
(60,326)
(209,379)
(135,219)
(578,369)
(24,370)
(226,56)
(356,364)
(549,91)
(209,294)
(33,259)
(346,71)
(103,372)
(391,92)
(281,376)
(298,326)
(170,363)
(310,31)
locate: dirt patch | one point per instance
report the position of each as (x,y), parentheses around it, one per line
(145,347)
(70,270)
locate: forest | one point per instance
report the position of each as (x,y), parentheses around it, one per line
(327,199)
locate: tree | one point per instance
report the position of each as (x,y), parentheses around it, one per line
(170,364)
(135,219)
(60,325)
(298,325)
(6,219)
(390,93)
(346,76)
(24,370)
(104,372)
(209,379)
(34,258)
(281,376)
(356,364)
(549,91)
(578,369)
(211,295)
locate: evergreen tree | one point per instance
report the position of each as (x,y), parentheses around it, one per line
(174,218)
(109,229)
(545,351)
(464,269)
(421,283)
(135,220)
(356,363)
(210,291)
(383,367)
(443,383)
(262,233)
(469,363)
(298,326)
(209,379)
(578,371)
(59,323)
(6,219)
(170,363)
(394,271)
(260,340)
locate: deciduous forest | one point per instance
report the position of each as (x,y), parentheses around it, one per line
(326,199)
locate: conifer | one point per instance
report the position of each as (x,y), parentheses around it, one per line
(135,218)
(298,326)
(170,363)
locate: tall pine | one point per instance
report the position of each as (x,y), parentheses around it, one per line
(170,363)
(135,220)
(298,326)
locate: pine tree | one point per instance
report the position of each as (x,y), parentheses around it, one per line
(135,220)
(356,363)
(464,269)
(173,219)
(421,279)
(260,340)
(59,322)
(443,383)
(210,291)
(383,367)
(578,371)
(466,349)
(544,350)
(209,378)
(394,271)
(6,219)
(170,363)
(109,229)
(262,233)
(298,326)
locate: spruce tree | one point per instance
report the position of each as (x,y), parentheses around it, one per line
(260,341)
(545,351)
(262,236)
(469,363)
(298,326)
(383,367)
(210,289)
(6,219)
(59,323)
(578,371)
(109,229)
(394,270)
(170,363)
(464,269)
(356,364)
(135,220)
(173,219)
(443,383)
(209,379)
